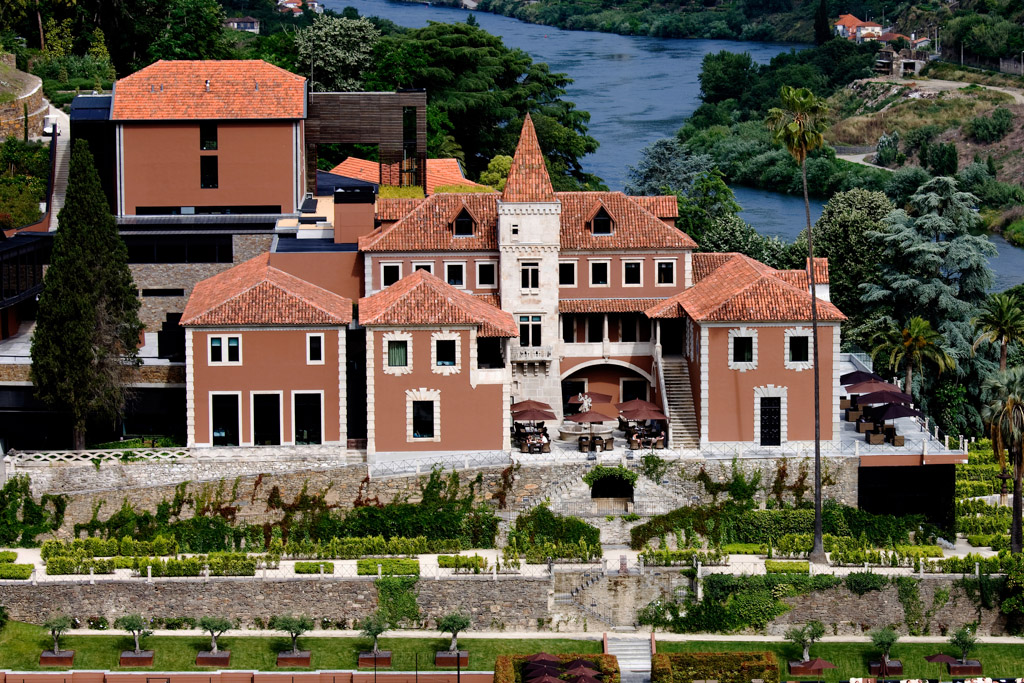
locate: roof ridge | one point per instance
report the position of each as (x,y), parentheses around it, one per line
(528,179)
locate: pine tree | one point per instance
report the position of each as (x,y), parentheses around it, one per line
(87,328)
(822,29)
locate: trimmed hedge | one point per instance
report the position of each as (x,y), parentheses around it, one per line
(8,556)
(508,668)
(725,667)
(18,572)
(994,541)
(685,558)
(388,566)
(342,548)
(221,564)
(745,549)
(314,567)
(777,567)
(65,564)
(94,546)
(461,562)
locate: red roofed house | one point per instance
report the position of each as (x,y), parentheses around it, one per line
(440,173)
(265,358)
(852,28)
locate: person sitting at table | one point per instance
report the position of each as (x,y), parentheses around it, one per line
(544,437)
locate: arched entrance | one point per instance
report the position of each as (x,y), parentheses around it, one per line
(621,381)
(612,487)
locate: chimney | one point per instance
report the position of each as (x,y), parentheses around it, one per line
(353,213)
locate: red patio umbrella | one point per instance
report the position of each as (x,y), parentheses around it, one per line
(635,404)
(858,376)
(584,679)
(869,386)
(544,678)
(582,671)
(589,417)
(582,662)
(891,411)
(594,398)
(530,404)
(535,668)
(884,397)
(942,659)
(533,415)
(641,414)
(543,657)
(817,664)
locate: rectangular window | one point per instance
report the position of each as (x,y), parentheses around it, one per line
(743,350)
(429,267)
(234,349)
(666,272)
(266,419)
(632,273)
(216,350)
(455,274)
(463,225)
(163,292)
(315,349)
(224,420)
(423,419)
(798,349)
(398,356)
(529,330)
(207,136)
(486,274)
(208,172)
(567,274)
(308,419)
(225,350)
(446,352)
(390,273)
(599,273)
(568,330)
(530,273)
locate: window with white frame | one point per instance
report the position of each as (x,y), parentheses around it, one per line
(455,273)
(424,265)
(799,347)
(487,274)
(529,330)
(446,353)
(742,349)
(225,350)
(390,273)
(632,273)
(566,273)
(422,415)
(315,348)
(397,351)
(599,273)
(529,272)
(665,272)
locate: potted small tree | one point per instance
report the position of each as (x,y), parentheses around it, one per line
(964,639)
(57,626)
(294,625)
(372,627)
(215,626)
(135,625)
(803,637)
(884,639)
(454,623)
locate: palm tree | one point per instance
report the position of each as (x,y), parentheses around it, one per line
(1000,321)
(799,125)
(1005,412)
(910,346)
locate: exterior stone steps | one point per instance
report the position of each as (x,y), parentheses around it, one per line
(634,654)
(62,164)
(683,422)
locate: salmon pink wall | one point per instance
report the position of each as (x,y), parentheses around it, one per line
(731,392)
(615,289)
(437,268)
(471,418)
(272,360)
(338,272)
(604,379)
(255,165)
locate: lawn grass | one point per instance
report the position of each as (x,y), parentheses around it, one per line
(851,659)
(20,645)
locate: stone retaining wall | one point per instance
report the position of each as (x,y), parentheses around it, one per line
(12,114)
(507,604)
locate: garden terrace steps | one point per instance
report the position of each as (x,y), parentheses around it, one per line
(62,164)
(634,654)
(682,415)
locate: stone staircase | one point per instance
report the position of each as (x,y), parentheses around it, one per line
(634,654)
(62,164)
(683,417)
(576,598)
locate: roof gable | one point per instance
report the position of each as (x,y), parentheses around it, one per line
(440,172)
(427,226)
(256,293)
(635,226)
(528,179)
(424,299)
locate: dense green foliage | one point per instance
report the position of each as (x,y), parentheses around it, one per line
(861,583)
(782,567)
(314,568)
(387,566)
(992,128)
(541,525)
(599,472)
(15,571)
(24,171)
(727,667)
(22,519)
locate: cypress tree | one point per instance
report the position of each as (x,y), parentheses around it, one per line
(87,328)
(822,29)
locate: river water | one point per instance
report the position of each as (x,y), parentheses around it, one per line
(637,90)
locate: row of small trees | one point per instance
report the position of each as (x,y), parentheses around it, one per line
(962,640)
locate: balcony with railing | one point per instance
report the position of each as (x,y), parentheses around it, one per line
(532,354)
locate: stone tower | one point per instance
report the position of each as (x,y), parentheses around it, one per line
(528,241)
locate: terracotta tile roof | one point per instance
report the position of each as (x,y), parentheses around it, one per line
(664,206)
(606,305)
(428,226)
(239,89)
(489,297)
(704,263)
(393,209)
(634,226)
(848,21)
(744,290)
(440,172)
(424,299)
(528,179)
(256,293)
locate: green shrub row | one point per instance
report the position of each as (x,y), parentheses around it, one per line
(461,562)
(374,546)
(66,564)
(19,572)
(864,582)
(8,556)
(220,564)
(93,546)
(314,567)
(998,564)
(744,549)
(725,667)
(994,541)
(388,566)
(685,558)
(783,567)
(539,553)
(972,526)
(971,489)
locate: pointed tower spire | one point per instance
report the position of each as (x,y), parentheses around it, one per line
(528,179)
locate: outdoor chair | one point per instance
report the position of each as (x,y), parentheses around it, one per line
(524,447)
(597,444)
(584,444)
(844,403)
(852,415)
(623,425)
(896,440)
(659,443)
(609,443)
(874,438)
(546,448)
(634,442)
(865,426)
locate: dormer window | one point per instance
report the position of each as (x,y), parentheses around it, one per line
(601,223)
(463,224)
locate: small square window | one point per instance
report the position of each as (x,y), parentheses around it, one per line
(446,352)
(208,179)
(631,272)
(799,349)
(315,348)
(486,275)
(207,136)
(455,274)
(390,273)
(216,350)
(599,274)
(666,273)
(398,354)
(743,350)
(567,274)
